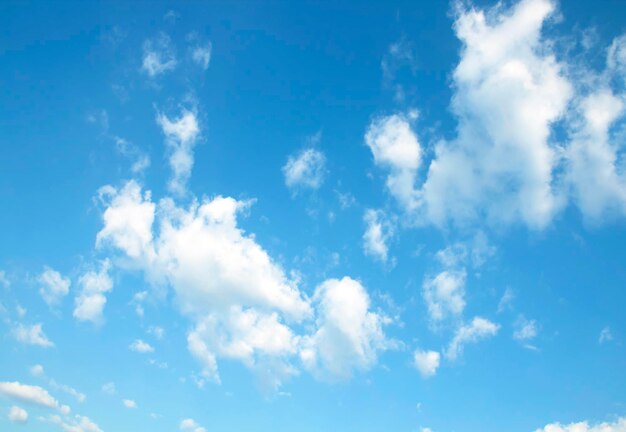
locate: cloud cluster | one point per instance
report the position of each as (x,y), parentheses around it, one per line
(53,286)
(89,304)
(305,169)
(505,165)
(618,426)
(243,304)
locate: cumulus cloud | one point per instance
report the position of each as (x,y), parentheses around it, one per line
(31,335)
(89,304)
(181,135)
(426,362)
(618,426)
(477,330)
(378,232)
(395,147)
(33,395)
(349,334)
(525,330)
(191,426)
(506,165)
(53,286)
(158,56)
(77,423)
(305,169)
(141,347)
(444,295)
(18,415)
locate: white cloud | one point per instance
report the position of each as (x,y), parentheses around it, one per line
(18,415)
(305,169)
(605,335)
(445,295)
(156,331)
(478,329)
(201,54)
(617,426)
(506,300)
(89,304)
(80,397)
(53,286)
(109,388)
(141,347)
(31,335)
(396,148)
(140,160)
(191,425)
(349,334)
(181,135)
(378,232)
(426,362)
(158,56)
(76,424)
(130,404)
(525,330)
(37,370)
(30,394)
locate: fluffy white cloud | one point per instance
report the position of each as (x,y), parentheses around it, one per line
(617,426)
(18,415)
(89,304)
(349,334)
(377,234)
(31,335)
(426,362)
(445,295)
(396,148)
(37,370)
(478,329)
(130,404)
(30,394)
(158,56)
(181,135)
(201,55)
(141,347)
(53,286)
(191,425)
(305,169)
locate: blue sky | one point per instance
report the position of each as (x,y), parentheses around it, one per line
(390,216)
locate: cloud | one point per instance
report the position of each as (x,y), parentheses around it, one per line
(426,362)
(191,425)
(349,334)
(37,370)
(378,232)
(506,300)
(525,330)
(181,134)
(396,148)
(445,295)
(605,335)
(305,169)
(109,388)
(130,404)
(76,424)
(89,304)
(4,281)
(31,335)
(156,331)
(141,347)
(618,426)
(140,160)
(201,55)
(33,395)
(53,286)
(478,329)
(18,415)
(158,56)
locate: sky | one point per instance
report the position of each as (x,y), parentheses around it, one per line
(313,216)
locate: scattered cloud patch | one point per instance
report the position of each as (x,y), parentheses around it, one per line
(53,286)
(141,347)
(158,56)
(305,169)
(18,415)
(33,395)
(378,231)
(426,362)
(201,55)
(89,304)
(605,335)
(444,295)
(31,335)
(479,329)
(130,404)
(191,426)
(618,426)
